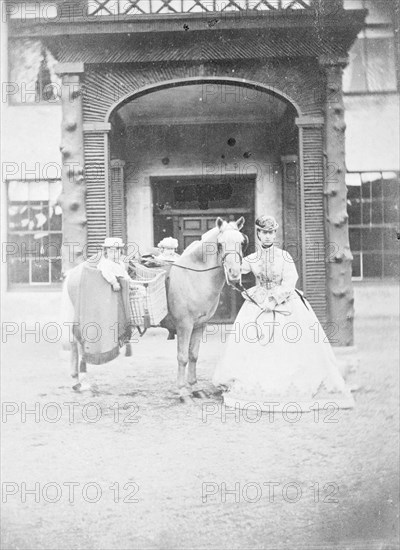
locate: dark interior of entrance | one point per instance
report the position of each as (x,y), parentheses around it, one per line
(184,155)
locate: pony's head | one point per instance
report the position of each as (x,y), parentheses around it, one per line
(231,247)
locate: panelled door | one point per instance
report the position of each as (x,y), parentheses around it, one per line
(186,208)
(189,228)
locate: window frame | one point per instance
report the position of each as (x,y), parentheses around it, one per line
(28,258)
(361,252)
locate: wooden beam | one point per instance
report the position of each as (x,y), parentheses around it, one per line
(345,21)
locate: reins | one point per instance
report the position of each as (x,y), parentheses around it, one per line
(240,288)
(209,268)
(197,270)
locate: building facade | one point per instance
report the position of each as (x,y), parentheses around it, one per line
(148,118)
(371,98)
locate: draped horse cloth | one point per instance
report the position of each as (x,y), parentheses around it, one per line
(102,316)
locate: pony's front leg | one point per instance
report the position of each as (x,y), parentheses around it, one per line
(184,334)
(83,379)
(74,360)
(194,346)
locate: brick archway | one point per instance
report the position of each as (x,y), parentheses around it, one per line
(187,81)
(308,164)
(107,87)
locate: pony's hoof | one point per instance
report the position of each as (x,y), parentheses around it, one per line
(128,350)
(200,394)
(82,386)
(221,389)
(187,400)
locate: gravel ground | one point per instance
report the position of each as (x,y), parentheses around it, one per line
(160,475)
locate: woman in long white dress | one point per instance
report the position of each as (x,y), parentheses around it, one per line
(277,352)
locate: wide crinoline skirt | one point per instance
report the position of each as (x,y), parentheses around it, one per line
(279,358)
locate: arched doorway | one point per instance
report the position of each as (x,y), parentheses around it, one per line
(185,152)
(102,85)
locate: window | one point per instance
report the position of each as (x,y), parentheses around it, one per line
(34,232)
(373,209)
(32,73)
(372,65)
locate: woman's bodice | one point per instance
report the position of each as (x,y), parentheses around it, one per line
(274,270)
(269,272)
(267,266)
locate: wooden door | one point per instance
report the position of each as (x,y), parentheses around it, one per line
(187,207)
(189,228)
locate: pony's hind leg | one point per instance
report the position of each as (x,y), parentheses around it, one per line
(184,334)
(80,373)
(194,346)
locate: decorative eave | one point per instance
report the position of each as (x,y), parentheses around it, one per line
(343,21)
(266,41)
(195,47)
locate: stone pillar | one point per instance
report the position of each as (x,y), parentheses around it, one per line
(339,257)
(72,199)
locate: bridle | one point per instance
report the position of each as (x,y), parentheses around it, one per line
(223,257)
(244,245)
(224,266)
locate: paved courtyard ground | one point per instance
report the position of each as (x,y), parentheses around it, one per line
(159,475)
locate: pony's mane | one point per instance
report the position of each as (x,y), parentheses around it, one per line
(195,249)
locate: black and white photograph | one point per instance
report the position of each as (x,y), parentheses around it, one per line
(200,269)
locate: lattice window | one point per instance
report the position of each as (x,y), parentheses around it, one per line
(373,209)
(34,232)
(143,7)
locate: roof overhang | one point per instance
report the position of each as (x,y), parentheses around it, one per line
(141,39)
(350,20)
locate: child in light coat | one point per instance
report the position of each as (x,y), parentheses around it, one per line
(111,265)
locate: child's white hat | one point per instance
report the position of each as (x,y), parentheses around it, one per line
(113,242)
(168,242)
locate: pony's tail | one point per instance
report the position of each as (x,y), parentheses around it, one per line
(67,315)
